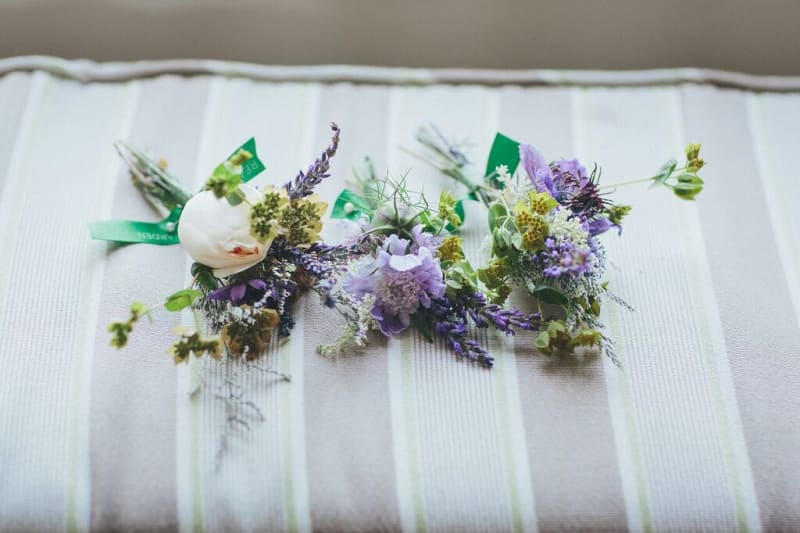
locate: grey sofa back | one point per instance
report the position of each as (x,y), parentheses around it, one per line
(743,35)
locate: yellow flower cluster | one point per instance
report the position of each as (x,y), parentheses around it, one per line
(298,220)
(450,250)
(191,342)
(530,222)
(250,340)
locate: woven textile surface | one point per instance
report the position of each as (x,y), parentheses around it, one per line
(697,430)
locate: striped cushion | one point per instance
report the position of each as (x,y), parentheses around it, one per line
(698,430)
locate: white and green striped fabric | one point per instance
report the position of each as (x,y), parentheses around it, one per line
(698,431)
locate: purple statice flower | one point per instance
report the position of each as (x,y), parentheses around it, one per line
(401,281)
(561,258)
(305,182)
(238,293)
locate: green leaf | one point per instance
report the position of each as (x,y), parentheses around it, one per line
(360,206)
(688,187)
(453,284)
(497,213)
(664,172)
(550,295)
(234,197)
(459,209)
(422,326)
(516,240)
(253,166)
(502,236)
(181,299)
(505,151)
(688,177)
(543,340)
(205,276)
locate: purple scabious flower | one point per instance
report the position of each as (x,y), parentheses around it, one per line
(400,280)
(239,293)
(423,239)
(561,258)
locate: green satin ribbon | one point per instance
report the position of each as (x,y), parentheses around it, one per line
(132,231)
(164,232)
(505,151)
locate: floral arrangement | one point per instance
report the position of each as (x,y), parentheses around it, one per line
(401,263)
(256,251)
(545,220)
(413,272)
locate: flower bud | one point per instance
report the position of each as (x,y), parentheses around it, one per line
(217,234)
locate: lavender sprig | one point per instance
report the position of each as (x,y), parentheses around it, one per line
(450,320)
(305,182)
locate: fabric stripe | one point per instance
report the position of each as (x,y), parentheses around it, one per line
(292,356)
(751,286)
(686,478)
(405,443)
(79,491)
(524,510)
(271,454)
(14,92)
(564,403)
(773,145)
(56,289)
(440,400)
(717,363)
(189,380)
(346,395)
(143,374)
(16,513)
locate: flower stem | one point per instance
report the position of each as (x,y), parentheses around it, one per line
(624,183)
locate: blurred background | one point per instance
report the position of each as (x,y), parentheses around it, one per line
(759,37)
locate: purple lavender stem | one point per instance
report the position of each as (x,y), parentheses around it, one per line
(303,185)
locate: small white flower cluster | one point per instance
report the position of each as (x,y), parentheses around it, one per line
(564,228)
(355,332)
(513,190)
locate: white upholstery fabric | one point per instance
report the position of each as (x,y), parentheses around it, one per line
(697,431)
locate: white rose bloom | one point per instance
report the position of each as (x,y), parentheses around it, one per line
(217,234)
